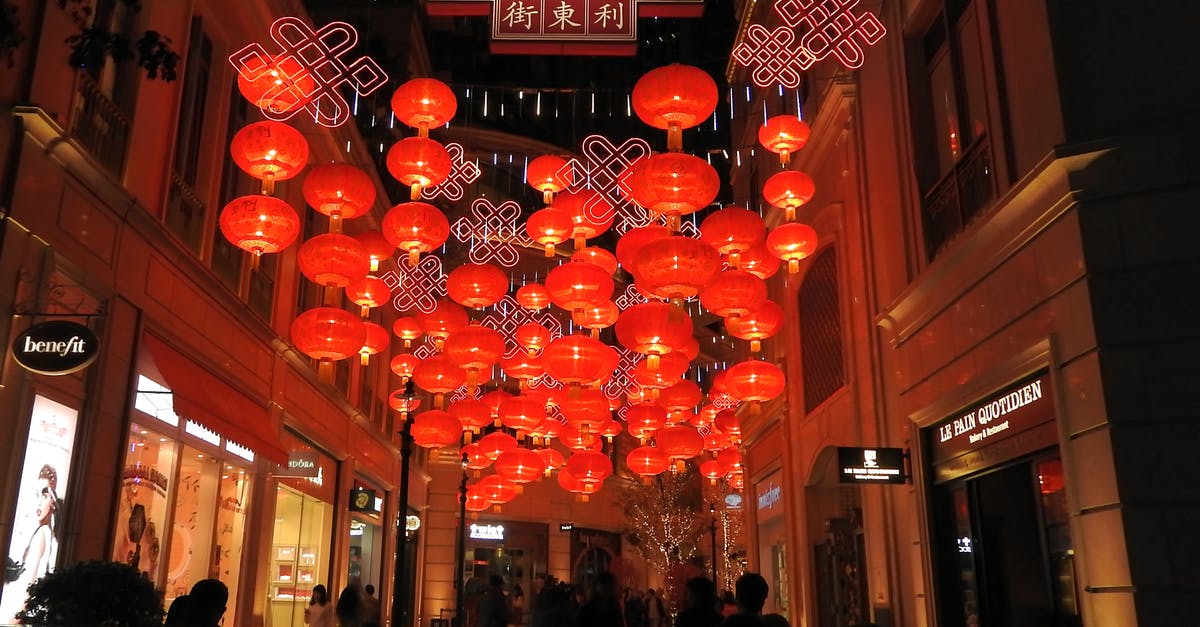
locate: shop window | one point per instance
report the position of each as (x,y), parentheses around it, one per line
(822,361)
(186,214)
(301,540)
(772,540)
(954,160)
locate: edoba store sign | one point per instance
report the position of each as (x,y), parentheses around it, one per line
(57,347)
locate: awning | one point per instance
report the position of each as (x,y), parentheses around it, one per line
(201,397)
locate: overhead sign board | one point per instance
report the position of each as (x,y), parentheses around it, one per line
(56,347)
(1013,410)
(362,500)
(871,465)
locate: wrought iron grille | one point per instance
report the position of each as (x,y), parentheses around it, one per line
(98,125)
(958,198)
(822,359)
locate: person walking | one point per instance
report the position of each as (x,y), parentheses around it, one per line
(750,592)
(370,607)
(319,612)
(602,609)
(349,607)
(206,603)
(700,606)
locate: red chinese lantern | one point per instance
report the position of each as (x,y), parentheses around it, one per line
(533,296)
(589,466)
(328,333)
(339,191)
(494,400)
(757,325)
(333,260)
(733,231)
(571,483)
(675,268)
(598,256)
(704,417)
(269,151)
(634,239)
(716,440)
(473,414)
(733,293)
(681,397)
(523,367)
(477,285)
(377,340)
(792,242)
(788,190)
(647,461)
(671,367)
(259,224)
(403,364)
(645,420)
(280,84)
(548,174)
(674,97)
(652,329)
(419,162)
(612,430)
(727,421)
(760,262)
(497,489)
(415,228)
(679,443)
(548,429)
(474,348)
(754,381)
(596,317)
(586,411)
(730,458)
(520,465)
(408,329)
(552,458)
(438,375)
(577,285)
(783,135)
(475,501)
(435,429)
(673,184)
(690,348)
(584,206)
(495,443)
(367,292)
(446,318)
(548,227)
(737,481)
(476,460)
(401,402)
(377,247)
(579,360)
(532,336)
(423,103)
(522,414)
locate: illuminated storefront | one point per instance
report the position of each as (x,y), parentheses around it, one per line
(772,540)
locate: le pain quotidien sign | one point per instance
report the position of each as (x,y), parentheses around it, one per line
(1019,407)
(56,347)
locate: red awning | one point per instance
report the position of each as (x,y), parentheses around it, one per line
(201,397)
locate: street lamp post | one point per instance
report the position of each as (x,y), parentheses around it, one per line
(460,547)
(400,609)
(712,534)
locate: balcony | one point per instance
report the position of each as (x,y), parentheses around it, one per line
(98,125)
(961,195)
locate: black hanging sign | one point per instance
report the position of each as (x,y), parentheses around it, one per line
(871,465)
(56,347)
(362,500)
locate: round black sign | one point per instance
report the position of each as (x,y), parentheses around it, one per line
(56,347)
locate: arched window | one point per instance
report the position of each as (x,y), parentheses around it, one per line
(822,361)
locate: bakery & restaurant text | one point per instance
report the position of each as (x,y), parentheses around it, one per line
(988,414)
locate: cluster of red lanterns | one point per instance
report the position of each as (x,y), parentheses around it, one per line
(788,190)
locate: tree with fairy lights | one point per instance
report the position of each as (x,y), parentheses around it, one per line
(663,521)
(731,563)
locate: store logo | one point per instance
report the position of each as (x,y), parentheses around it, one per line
(362,500)
(56,348)
(770,497)
(487,532)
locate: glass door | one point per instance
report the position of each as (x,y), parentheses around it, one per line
(299,555)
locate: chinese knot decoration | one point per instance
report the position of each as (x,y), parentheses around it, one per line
(602,170)
(463,172)
(830,28)
(418,287)
(492,232)
(308,72)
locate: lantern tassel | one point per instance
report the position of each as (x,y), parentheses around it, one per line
(793,266)
(652,361)
(789,213)
(364,358)
(580,241)
(674,137)
(423,129)
(547,196)
(268,184)
(755,346)
(549,249)
(415,193)
(364,311)
(735,260)
(784,157)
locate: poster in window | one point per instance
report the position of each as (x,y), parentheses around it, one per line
(37,523)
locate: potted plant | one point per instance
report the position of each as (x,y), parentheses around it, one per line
(100,593)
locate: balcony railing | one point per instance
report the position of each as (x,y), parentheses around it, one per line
(98,125)
(185,213)
(961,195)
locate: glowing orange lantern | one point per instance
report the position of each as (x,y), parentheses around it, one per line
(367,292)
(583,205)
(548,174)
(522,414)
(339,191)
(280,85)
(497,489)
(532,336)
(727,421)
(415,228)
(474,348)
(589,466)
(577,285)
(644,420)
(533,296)
(494,400)
(548,227)
(647,461)
(333,260)
(259,224)
(679,443)
(733,293)
(377,247)
(792,242)
(523,367)
(475,501)
(377,340)
(408,329)
(716,440)
(579,360)
(783,135)
(596,317)
(418,162)
(495,443)
(671,367)
(586,411)
(733,231)
(634,239)
(423,103)
(476,460)
(477,285)
(403,364)
(473,414)
(552,458)
(573,484)
(435,429)
(757,325)
(598,256)
(401,402)
(760,262)
(446,318)
(674,97)
(713,470)
(520,465)
(652,329)
(788,190)
(269,151)
(328,333)
(438,375)
(681,397)
(673,184)
(675,267)
(730,458)
(754,381)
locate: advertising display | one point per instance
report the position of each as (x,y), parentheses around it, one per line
(37,525)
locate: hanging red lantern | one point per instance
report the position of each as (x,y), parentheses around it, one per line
(757,325)
(333,260)
(523,367)
(532,336)
(476,460)
(715,440)
(423,103)
(548,227)
(647,461)
(552,458)
(269,151)
(474,348)
(579,360)
(754,381)
(548,174)
(653,329)
(576,440)
(596,317)
(447,317)
(586,411)
(597,256)
(645,420)
(473,414)
(415,228)
(475,501)
(495,443)
(671,367)
(583,205)
(403,364)
(679,443)
(497,489)
(328,333)
(533,296)
(281,84)
(520,465)
(733,293)
(690,348)
(589,466)
(367,292)
(674,97)
(611,431)
(494,400)
(408,329)
(634,239)
(792,242)
(679,398)
(438,375)
(340,191)
(377,247)
(730,458)
(522,414)
(547,429)
(713,470)
(788,190)
(573,484)
(760,262)
(783,135)
(675,268)
(704,417)
(435,429)
(419,162)
(259,224)
(733,231)
(727,421)
(377,340)
(672,184)
(477,285)
(737,481)
(403,403)
(577,285)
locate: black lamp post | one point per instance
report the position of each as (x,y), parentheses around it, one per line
(400,609)
(712,534)
(460,547)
